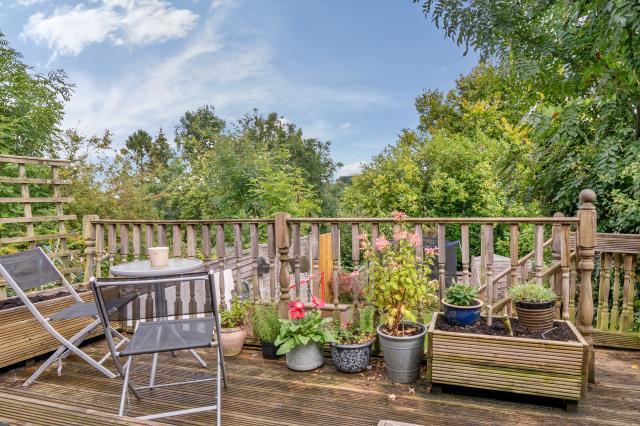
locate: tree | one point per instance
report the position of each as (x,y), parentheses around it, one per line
(31,105)
(145,152)
(578,66)
(199,131)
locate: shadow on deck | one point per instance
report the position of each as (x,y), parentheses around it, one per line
(265,392)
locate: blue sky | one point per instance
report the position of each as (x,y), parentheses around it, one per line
(345,71)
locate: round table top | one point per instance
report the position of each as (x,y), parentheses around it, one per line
(143,268)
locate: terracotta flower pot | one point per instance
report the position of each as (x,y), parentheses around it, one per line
(232,340)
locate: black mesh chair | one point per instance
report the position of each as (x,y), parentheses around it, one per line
(32,269)
(156,331)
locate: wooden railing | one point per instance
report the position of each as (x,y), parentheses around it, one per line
(221,244)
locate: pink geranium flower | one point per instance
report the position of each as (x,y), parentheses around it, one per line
(296,310)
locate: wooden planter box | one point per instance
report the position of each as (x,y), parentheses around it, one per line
(22,337)
(510,364)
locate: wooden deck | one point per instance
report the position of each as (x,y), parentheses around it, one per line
(266,393)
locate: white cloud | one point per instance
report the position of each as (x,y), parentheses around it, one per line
(67,31)
(345,126)
(350,169)
(29,2)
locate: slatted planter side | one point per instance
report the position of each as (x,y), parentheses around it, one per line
(509,364)
(23,337)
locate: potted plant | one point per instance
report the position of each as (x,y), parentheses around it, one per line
(233,322)
(266,326)
(302,337)
(535,305)
(351,350)
(461,305)
(398,285)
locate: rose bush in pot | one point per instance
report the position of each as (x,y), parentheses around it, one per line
(399,284)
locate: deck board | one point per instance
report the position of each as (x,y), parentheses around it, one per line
(263,392)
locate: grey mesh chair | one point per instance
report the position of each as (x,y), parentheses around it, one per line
(156,331)
(31,269)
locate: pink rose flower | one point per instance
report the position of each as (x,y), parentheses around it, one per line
(381,243)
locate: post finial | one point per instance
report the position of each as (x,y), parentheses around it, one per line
(587,196)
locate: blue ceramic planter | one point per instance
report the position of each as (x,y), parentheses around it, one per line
(462,315)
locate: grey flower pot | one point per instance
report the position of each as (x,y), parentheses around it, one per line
(403,354)
(351,358)
(305,357)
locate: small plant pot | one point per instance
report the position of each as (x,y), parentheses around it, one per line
(351,358)
(232,340)
(462,315)
(536,316)
(269,350)
(403,354)
(305,357)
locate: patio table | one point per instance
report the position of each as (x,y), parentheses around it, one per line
(143,269)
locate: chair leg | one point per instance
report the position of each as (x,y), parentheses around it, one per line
(198,358)
(154,364)
(222,368)
(125,385)
(219,391)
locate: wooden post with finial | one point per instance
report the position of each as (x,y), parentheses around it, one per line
(587,228)
(282,245)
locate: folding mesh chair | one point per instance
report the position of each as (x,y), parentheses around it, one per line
(31,269)
(156,331)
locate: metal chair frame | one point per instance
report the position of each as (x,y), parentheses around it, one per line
(67,345)
(125,370)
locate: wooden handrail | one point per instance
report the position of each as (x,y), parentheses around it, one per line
(521,261)
(441,220)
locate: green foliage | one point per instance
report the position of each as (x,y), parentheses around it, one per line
(366,320)
(361,332)
(237,315)
(461,295)
(575,65)
(311,328)
(531,292)
(31,105)
(266,323)
(399,283)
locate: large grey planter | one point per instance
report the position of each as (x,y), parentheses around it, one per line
(403,354)
(351,358)
(305,357)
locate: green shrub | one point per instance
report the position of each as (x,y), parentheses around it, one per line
(461,295)
(266,323)
(237,315)
(366,319)
(531,292)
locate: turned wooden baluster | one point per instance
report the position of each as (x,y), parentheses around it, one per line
(355,261)
(626,316)
(206,245)
(556,278)
(539,251)
(124,243)
(271,253)
(99,249)
(255,253)
(176,237)
(148,236)
(137,241)
(464,233)
(315,255)
(565,263)
(191,241)
(615,310)
(587,227)
(573,286)
(89,235)
(419,246)
(283,241)
(514,258)
(295,242)
(237,242)
(442,256)
(111,242)
(605,284)
(375,233)
(335,253)
(162,235)
(488,240)
(221,253)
